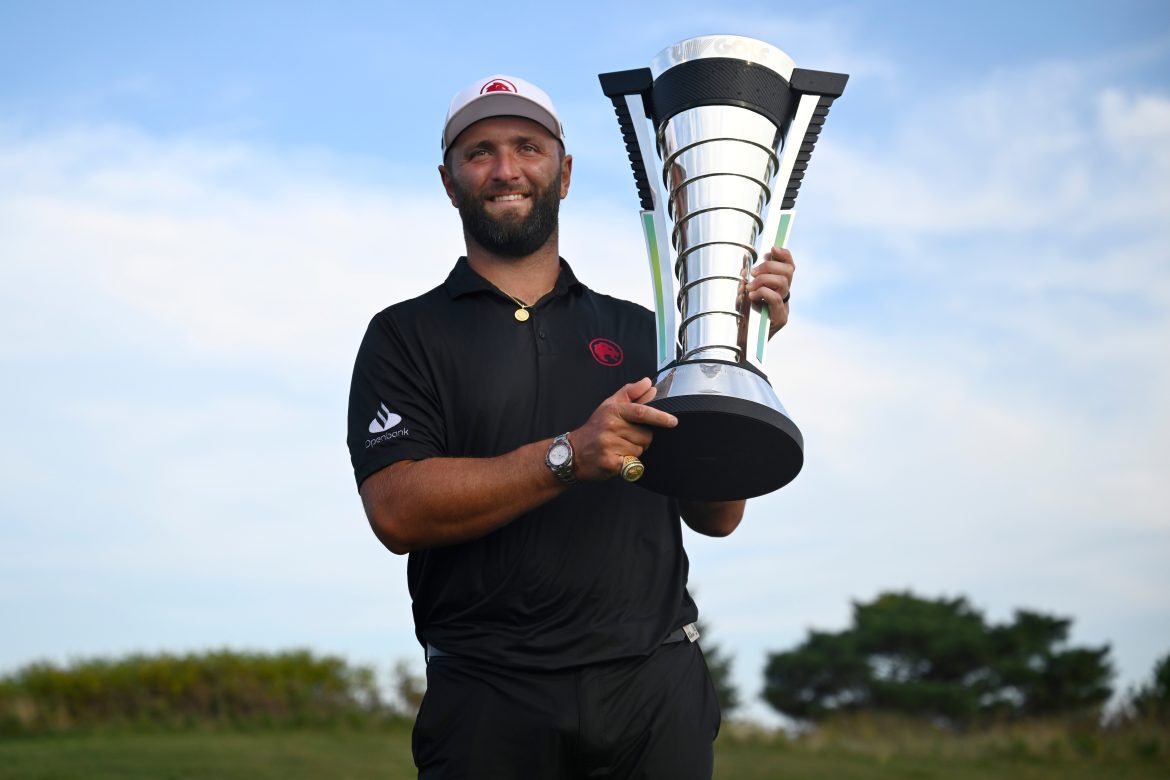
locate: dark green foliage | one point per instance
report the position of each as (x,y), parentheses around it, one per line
(1034,677)
(939,660)
(229,688)
(409,689)
(719,665)
(1150,702)
(824,675)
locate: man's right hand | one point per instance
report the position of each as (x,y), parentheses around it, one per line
(418,505)
(622,425)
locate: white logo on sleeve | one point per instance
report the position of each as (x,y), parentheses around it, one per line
(384,420)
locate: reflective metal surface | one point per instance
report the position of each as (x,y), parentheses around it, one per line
(718,191)
(717,379)
(713,260)
(723,226)
(709,337)
(718,163)
(734,46)
(719,139)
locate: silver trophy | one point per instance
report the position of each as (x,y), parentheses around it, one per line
(732,124)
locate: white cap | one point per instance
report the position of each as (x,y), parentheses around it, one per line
(500,96)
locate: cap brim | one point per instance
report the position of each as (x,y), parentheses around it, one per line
(499,104)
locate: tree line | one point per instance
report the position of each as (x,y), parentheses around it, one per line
(942,661)
(936,660)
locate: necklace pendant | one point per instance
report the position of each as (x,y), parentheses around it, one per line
(521,315)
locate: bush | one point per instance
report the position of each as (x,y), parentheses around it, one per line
(215,688)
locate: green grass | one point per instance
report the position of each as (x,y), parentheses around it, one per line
(385,754)
(258,755)
(758,762)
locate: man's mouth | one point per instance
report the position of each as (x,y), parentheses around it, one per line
(508,197)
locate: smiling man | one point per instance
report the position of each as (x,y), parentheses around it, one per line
(489,421)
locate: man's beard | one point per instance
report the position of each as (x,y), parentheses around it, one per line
(514,236)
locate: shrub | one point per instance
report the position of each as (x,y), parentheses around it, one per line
(214,688)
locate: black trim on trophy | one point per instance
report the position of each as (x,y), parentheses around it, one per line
(828,86)
(690,361)
(617,86)
(620,83)
(819,82)
(724,448)
(722,81)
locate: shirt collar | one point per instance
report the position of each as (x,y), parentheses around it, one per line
(463,280)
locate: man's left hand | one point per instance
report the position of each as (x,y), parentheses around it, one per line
(772,284)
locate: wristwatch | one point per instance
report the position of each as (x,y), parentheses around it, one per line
(559,459)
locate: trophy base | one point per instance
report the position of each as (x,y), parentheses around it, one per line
(733,440)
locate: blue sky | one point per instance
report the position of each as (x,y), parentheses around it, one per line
(200,209)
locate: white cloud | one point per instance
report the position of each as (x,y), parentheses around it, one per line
(1026,151)
(224,252)
(1137,126)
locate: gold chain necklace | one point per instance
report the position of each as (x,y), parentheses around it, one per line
(521,314)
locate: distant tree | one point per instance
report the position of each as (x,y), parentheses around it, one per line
(1151,701)
(409,689)
(719,665)
(938,659)
(1035,674)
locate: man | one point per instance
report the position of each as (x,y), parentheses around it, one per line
(488,420)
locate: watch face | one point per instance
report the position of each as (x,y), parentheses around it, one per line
(558,454)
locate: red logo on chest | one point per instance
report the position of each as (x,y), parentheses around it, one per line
(606,352)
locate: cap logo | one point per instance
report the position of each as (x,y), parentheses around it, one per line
(498,85)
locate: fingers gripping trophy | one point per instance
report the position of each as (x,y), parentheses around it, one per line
(732,125)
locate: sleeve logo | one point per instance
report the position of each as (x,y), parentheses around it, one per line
(384,420)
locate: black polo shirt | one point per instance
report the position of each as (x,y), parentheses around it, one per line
(597,573)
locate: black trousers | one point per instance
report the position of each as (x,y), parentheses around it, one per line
(652,717)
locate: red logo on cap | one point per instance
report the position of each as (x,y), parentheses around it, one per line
(498,85)
(606,352)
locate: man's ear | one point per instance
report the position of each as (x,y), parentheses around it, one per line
(566,174)
(445,175)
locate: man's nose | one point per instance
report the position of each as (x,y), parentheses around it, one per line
(505,168)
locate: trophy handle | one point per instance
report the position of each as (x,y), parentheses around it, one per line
(759,319)
(817,90)
(665,312)
(628,90)
(658,249)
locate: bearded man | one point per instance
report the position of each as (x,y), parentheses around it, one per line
(488,420)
